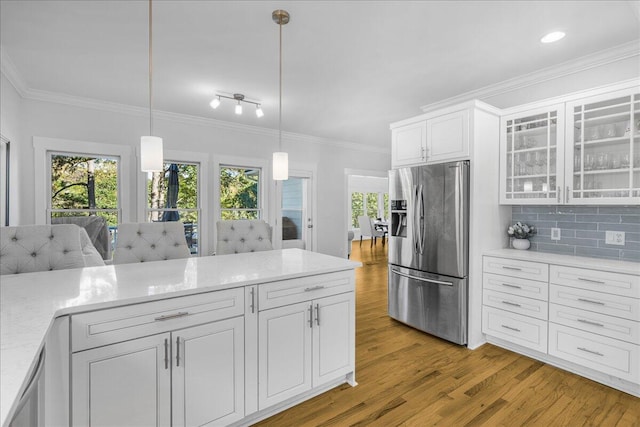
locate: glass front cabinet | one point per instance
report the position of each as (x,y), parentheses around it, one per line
(581,152)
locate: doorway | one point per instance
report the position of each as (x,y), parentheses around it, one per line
(296,211)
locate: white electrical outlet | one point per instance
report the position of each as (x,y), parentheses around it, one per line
(555,234)
(614,238)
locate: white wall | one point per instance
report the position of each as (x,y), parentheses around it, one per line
(47,119)
(11,116)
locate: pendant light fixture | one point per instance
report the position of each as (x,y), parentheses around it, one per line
(280,158)
(151,156)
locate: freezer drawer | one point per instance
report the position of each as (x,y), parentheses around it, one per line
(432,303)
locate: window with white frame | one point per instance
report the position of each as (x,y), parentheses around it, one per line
(240,192)
(373,205)
(174,195)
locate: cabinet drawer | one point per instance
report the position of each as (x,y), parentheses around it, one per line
(613,305)
(522,330)
(516,304)
(515,268)
(292,291)
(603,354)
(601,324)
(595,280)
(515,286)
(113,325)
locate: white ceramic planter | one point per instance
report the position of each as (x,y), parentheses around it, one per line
(521,244)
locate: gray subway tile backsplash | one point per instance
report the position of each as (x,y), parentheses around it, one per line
(583,229)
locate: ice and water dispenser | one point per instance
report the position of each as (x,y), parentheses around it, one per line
(398,218)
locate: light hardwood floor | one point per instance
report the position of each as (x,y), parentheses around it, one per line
(408,378)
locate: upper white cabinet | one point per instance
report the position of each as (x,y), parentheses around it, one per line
(409,144)
(530,161)
(582,151)
(431,138)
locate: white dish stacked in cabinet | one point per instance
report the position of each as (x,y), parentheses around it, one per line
(558,309)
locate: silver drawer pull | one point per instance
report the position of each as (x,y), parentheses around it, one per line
(599,282)
(172,316)
(315,288)
(586,350)
(589,322)
(511,303)
(508,285)
(511,268)
(591,301)
(510,328)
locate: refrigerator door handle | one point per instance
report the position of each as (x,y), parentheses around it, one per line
(421,217)
(422,279)
(415,220)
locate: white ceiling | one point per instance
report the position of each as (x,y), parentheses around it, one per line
(350,67)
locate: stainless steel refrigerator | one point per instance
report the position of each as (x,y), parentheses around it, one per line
(429,248)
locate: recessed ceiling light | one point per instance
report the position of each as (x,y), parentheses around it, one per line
(553,37)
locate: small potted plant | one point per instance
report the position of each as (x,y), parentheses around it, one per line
(521,233)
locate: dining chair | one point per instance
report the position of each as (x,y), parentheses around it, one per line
(367,229)
(242,235)
(150,241)
(32,248)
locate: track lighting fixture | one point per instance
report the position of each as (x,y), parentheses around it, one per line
(215,103)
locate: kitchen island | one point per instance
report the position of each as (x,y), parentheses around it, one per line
(257,294)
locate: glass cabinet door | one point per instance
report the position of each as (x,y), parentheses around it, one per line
(603,160)
(529,170)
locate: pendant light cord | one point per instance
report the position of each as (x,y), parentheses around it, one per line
(280,107)
(150,69)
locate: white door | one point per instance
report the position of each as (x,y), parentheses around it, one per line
(448,137)
(208,373)
(123,384)
(333,337)
(296,211)
(284,353)
(408,144)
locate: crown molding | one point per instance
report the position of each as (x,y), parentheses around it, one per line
(584,63)
(10,71)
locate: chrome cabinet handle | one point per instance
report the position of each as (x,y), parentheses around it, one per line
(166,353)
(559,192)
(508,285)
(511,303)
(506,267)
(318,314)
(591,301)
(599,282)
(566,195)
(253,306)
(311,315)
(315,288)
(597,353)
(510,328)
(588,322)
(178,351)
(171,316)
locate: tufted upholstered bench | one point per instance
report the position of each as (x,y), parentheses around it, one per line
(31,248)
(243,235)
(150,241)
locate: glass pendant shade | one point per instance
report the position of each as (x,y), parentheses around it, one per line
(151,154)
(280,166)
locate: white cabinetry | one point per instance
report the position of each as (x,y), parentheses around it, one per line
(593,319)
(579,150)
(165,378)
(306,335)
(436,137)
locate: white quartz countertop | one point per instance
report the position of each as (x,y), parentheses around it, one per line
(614,266)
(29,302)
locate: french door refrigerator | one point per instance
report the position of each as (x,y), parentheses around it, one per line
(429,248)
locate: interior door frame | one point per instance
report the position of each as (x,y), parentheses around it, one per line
(305,172)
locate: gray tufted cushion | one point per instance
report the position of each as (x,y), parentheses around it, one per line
(29,248)
(150,241)
(243,235)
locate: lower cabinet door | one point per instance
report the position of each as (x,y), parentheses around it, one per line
(522,330)
(333,337)
(126,384)
(208,373)
(284,353)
